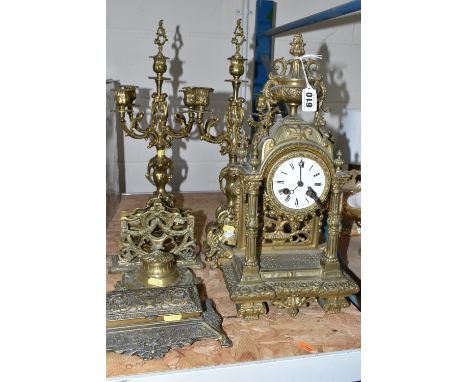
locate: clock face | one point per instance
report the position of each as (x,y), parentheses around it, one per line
(297,180)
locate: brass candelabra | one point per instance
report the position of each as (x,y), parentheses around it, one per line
(233,141)
(154,238)
(156,305)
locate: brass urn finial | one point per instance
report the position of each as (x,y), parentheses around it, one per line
(238,37)
(339,162)
(297,46)
(161,36)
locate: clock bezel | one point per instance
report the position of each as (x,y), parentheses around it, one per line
(280,159)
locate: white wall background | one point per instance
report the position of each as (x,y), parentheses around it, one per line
(206,28)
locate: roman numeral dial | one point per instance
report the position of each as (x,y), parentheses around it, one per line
(292,178)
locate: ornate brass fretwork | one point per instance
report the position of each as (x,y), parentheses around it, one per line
(150,322)
(150,240)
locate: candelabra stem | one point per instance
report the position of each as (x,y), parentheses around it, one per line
(236,86)
(159,82)
(232,159)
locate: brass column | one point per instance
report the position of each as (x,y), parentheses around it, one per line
(252,292)
(252,223)
(330,263)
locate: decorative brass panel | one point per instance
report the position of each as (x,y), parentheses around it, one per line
(152,302)
(279,229)
(290,261)
(157,229)
(150,322)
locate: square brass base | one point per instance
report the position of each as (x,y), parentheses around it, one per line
(288,279)
(149,322)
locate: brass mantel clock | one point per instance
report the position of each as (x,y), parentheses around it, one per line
(268,238)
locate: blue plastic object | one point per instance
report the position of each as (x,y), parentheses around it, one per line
(262,56)
(331,13)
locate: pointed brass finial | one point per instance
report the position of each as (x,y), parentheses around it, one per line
(159,65)
(238,37)
(297,46)
(339,162)
(161,36)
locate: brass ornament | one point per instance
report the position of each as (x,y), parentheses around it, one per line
(269,253)
(233,140)
(150,322)
(150,240)
(351,223)
(157,242)
(160,167)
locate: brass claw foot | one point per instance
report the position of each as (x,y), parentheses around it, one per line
(333,305)
(251,311)
(293,303)
(293,312)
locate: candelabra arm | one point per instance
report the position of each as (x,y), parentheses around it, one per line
(221,139)
(134,130)
(187,126)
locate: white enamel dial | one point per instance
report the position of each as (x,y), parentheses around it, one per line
(292,180)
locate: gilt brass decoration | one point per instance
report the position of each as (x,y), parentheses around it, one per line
(269,245)
(140,228)
(152,308)
(351,223)
(150,322)
(150,240)
(233,141)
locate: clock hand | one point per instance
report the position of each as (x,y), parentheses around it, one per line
(301,166)
(285,191)
(299,184)
(310,192)
(292,191)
